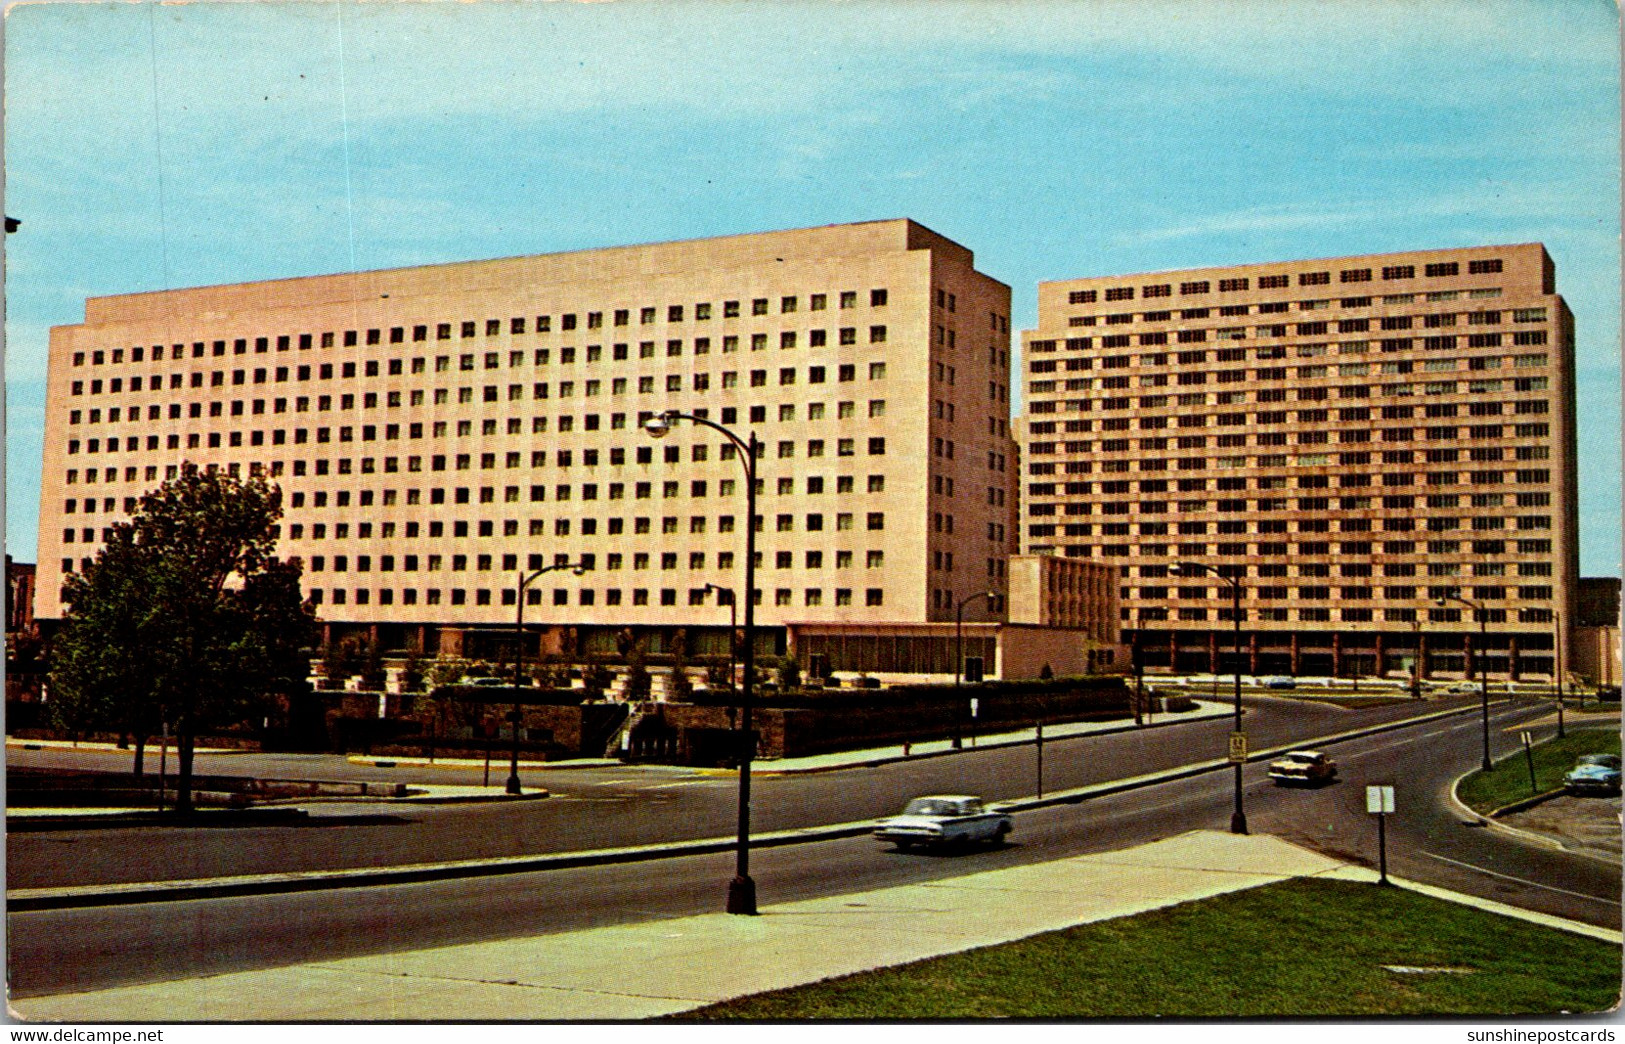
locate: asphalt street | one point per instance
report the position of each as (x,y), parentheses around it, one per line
(58,951)
(615,806)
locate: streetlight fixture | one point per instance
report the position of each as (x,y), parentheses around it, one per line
(959,629)
(733,625)
(742,889)
(1238,818)
(519,655)
(959,645)
(1483,675)
(1416,660)
(1557,665)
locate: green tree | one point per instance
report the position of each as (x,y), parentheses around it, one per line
(99,675)
(200,621)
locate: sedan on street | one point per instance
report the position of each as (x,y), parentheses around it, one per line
(943,820)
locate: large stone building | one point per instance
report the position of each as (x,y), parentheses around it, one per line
(1353,439)
(435,430)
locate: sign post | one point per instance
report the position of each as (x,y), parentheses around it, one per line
(1238,747)
(975,705)
(1529,759)
(1379,801)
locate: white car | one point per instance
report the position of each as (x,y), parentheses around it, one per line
(944,819)
(1303,766)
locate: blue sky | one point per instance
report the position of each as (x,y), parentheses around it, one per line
(186,144)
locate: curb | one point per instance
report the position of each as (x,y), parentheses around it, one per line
(416,761)
(899,759)
(1518,833)
(1366,875)
(78,896)
(1526,803)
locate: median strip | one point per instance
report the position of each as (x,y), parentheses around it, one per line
(78,896)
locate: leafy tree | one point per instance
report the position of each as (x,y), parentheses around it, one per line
(199,621)
(99,675)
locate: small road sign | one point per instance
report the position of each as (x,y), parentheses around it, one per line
(1379,801)
(1238,747)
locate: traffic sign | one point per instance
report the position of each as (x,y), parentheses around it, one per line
(1379,800)
(1238,747)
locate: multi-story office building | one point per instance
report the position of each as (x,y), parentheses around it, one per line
(1354,439)
(436,429)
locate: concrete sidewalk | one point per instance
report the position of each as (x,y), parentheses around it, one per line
(638,971)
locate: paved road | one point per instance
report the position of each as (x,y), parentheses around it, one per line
(600,808)
(58,951)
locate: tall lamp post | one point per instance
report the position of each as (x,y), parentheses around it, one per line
(1416,661)
(959,629)
(1238,818)
(742,889)
(1557,664)
(1483,674)
(519,655)
(733,625)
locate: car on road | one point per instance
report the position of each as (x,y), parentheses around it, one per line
(1303,766)
(942,820)
(1280,683)
(1594,774)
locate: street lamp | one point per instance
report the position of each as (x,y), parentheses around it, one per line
(733,624)
(1238,818)
(959,644)
(1484,675)
(959,629)
(519,655)
(742,889)
(1416,661)
(1557,664)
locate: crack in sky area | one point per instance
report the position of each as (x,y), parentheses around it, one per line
(1055,138)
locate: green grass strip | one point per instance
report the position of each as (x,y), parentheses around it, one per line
(1301,948)
(1487,791)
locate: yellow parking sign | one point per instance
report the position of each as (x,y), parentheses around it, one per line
(1238,746)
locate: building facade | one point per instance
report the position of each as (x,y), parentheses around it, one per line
(1352,439)
(436,430)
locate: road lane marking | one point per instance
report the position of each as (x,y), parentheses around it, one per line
(1520,880)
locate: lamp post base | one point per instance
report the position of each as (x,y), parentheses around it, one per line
(742,896)
(513,784)
(1238,823)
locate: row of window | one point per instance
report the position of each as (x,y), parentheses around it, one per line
(1399,322)
(515,325)
(1323,614)
(1200,356)
(1309,437)
(1235,284)
(585,597)
(1321,393)
(1315,416)
(1479,546)
(1279,570)
(491,393)
(1522,547)
(782,449)
(1357,593)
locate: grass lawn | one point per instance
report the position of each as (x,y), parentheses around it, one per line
(1487,791)
(1298,948)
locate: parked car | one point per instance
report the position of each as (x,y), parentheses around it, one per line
(1280,683)
(487,683)
(944,819)
(1594,774)
(1303,766)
